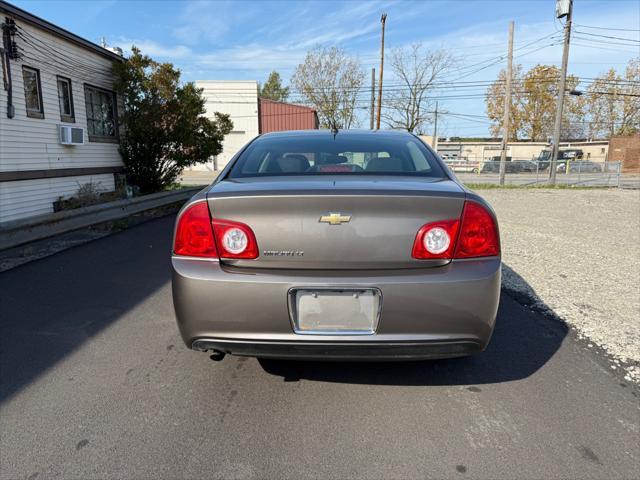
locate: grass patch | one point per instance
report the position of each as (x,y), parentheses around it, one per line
(537,186)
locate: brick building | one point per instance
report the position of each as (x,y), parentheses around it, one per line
(626,150)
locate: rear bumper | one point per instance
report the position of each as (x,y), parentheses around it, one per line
(340,350)
(426,313)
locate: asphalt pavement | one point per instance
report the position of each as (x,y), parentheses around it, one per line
(96,383)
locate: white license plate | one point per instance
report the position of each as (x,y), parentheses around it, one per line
(338,312)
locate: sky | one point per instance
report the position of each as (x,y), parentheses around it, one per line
(245,40)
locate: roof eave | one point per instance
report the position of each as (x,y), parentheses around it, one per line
(7,8)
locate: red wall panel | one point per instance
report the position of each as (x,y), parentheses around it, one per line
(278,116)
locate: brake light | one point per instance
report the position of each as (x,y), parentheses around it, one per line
(474,235)
(194,235)
(478,235)
(234,239)
(436,240)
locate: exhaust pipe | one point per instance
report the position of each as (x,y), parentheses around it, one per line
(217,356)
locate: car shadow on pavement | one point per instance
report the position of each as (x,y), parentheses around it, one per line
(523,342)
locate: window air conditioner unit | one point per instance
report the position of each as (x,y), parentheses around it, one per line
(71,135)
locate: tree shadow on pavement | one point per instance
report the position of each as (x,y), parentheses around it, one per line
(523,341)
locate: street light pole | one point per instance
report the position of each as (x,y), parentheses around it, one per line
(383,20)
(373,97)
(434,141)
(560,100)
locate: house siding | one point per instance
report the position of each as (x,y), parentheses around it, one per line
(32,143)
(35,197)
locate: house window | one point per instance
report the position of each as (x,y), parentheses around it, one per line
(101,114)
(65,99)
(32,92)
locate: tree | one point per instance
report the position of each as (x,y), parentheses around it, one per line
(612,102)
(329,80)
(417,70)
(273,89)
(533,104)
(494,100)
(164,129)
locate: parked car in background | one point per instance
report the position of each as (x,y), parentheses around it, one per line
(462,166)
(579,166)
(511,166)
(337,245)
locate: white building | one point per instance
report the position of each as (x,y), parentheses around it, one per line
(53,78)
(239,99)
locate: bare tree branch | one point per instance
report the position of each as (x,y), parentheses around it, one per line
(329,80)
(416,70)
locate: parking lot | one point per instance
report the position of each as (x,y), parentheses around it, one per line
(96,383)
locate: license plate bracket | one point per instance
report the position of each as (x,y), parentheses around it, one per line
(335,311)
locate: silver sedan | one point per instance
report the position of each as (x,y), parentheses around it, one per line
(336,245)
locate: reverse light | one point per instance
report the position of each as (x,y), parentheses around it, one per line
(234,239)
(194,235)
(436,240)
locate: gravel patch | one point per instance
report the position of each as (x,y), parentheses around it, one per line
(577,253)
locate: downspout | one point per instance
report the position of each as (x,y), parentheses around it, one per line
(259,117)
(7,47)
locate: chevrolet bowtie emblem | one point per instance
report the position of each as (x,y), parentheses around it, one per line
(335,218)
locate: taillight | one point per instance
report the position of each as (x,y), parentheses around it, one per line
(436,240)
(194,235)
(234,239)
(478,235)
(474,235)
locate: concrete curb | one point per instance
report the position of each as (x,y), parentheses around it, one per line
(18,232)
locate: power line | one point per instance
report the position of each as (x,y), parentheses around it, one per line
(602,48)
(605,42)
(608,28)
(609,36)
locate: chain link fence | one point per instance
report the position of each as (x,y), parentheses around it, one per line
(523,172)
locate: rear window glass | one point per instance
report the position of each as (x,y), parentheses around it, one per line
(337,155)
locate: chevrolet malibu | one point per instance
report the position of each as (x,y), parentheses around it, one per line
(336,245)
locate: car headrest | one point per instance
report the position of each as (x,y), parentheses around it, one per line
(385,164)
(294,163)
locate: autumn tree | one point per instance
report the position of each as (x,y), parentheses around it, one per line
(273,89)
(329,80)
(612,102)
(533,107)
(417,70)
(164,128)
(494,100)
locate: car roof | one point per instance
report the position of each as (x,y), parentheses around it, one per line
(353,133)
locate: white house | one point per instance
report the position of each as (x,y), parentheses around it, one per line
(239,99)
(53,79)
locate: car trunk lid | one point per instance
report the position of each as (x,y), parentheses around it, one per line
(335,223)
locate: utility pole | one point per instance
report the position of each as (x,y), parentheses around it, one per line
(563,8)
(373,96)
(507,107)
(383,20)
(434,141)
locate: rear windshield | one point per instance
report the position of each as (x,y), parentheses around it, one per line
(337,155)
